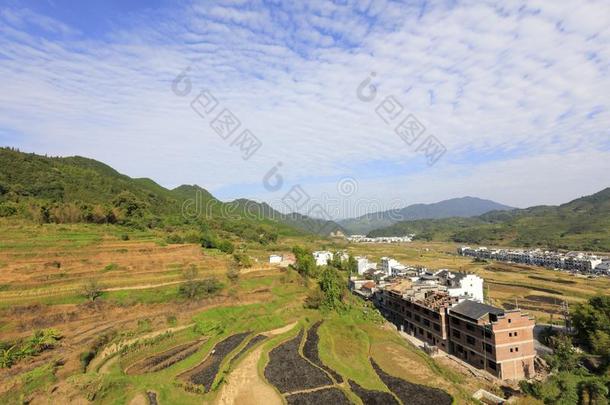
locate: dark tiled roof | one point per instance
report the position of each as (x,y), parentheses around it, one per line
(475,310)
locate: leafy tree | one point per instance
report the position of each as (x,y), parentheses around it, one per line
(189,288)
(564,357)
(333,287)
(352,265)
(192,287)
(336,261)
(130,205)
(304,262)
(592,323)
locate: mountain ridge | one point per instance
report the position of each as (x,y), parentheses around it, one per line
(454,207)
(580,224)
(44,188)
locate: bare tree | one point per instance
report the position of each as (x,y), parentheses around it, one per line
(92,290)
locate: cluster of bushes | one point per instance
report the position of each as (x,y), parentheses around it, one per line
(41,340)
(330,289)
(193,287)
(570,382)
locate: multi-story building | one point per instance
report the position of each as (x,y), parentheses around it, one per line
(387,263)
(498,341)
(417,309)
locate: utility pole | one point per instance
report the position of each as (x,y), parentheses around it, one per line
(565,312)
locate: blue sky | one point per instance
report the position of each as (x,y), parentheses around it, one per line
(517,93)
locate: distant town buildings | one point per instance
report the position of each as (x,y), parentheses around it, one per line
(571,261)
(380,239)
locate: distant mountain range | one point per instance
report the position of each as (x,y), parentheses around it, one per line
(455,207)
(582,224)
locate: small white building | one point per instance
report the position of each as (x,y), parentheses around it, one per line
(322,257)
(275,259)
(363,264)
(462,284)
(387,263)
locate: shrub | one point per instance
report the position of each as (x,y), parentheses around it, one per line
(174,239)
(226,246)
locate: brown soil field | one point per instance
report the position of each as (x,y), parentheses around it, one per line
(115,264)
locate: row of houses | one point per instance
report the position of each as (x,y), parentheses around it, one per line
(380,239)
(571,261)
(445,310)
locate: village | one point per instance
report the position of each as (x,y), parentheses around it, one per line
(576,262)
(443,311)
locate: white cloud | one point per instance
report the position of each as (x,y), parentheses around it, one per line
(515,82)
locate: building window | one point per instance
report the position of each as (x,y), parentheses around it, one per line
(455,321)
(515,334)
(426,323)
(469,326)
(429,335)
(456,333)
(509,320)
(437,327)
(470,340)
(417,318)
(510,334)
(491,364)
(516,349)
(488,348)
(488,334)
(511,349)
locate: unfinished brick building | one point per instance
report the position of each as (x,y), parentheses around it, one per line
(497,341)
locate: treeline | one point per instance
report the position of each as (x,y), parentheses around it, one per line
(578,376)
(330,290)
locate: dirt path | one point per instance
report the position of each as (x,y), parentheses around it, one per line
(245,386)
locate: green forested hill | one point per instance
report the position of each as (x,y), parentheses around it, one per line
(582,224)
(77,189)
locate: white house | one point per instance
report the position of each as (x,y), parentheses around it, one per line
(386,265)
(363,264)
(462,284)
(275,259)
(322,257)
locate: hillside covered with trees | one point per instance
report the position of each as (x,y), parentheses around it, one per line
(582,224)
(77,189)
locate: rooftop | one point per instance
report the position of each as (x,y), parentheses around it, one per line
(475,310)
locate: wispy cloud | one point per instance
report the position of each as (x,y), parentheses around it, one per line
(517,91)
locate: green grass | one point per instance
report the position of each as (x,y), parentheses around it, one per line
(39,379)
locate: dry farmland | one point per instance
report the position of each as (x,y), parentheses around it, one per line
(537,290)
